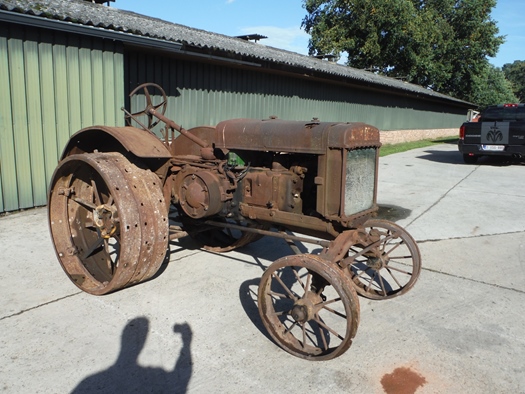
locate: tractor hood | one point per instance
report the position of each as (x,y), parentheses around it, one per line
(294,136)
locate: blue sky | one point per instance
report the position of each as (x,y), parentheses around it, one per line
(280,21)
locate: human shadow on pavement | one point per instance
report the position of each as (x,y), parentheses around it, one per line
(126,376)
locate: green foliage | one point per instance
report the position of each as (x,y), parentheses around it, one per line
(491,88)
(439,44)
(515,73)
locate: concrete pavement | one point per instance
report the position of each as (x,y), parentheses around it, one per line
(195,327)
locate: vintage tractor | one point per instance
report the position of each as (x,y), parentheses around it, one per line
(120,194)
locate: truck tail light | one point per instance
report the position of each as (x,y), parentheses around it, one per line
(360,180)
(510,105)
(462,132)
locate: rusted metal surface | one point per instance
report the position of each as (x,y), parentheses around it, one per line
(132,139)
(382,259)
(294,136)
(227,186)
(309,307)
(108,221)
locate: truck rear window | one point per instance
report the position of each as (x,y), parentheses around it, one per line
(503,114)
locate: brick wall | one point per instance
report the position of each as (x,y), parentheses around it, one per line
(397,136)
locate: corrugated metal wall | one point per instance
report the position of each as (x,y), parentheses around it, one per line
(51,85)
(204,94)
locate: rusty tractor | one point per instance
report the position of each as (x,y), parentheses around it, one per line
(120,194)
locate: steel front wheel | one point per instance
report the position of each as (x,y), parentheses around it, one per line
(108,221)
(385,263)
(309,307)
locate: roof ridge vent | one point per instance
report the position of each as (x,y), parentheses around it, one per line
(251,37)
(100,1)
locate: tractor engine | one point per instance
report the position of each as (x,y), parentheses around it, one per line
(318,177)
(202,192)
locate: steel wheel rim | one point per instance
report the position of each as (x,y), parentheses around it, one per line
(318,326)
(94,209)
(388,265)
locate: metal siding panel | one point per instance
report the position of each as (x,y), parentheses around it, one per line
(8,185)
(86,93)
(61,93)
(206,94)
(47,83)
(97,83)
(51,101)
(118,76)
(20,126)
(73,84)
(108,87)
(34,120)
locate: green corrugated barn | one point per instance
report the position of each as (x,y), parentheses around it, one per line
(69,64)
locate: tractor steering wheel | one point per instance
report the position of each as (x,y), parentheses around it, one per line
(149,105)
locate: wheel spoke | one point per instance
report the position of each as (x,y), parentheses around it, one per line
(96,245)
(84,203)
(303,327)
(148,97)
(390,267)
(283,313)
(292,296)
(289,329)
(393,277)
(382,285)
(323,336)
(386,278)
(299,280)
(298,325)
(394,248)
(335,312)
(365,271)
(96,195)
(322,324)
(280,295)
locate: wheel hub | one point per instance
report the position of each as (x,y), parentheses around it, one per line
(305,308)
(104,217)
(300,313)
(376,263)
(376,260)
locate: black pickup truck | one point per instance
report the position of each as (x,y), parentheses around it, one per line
(499,130)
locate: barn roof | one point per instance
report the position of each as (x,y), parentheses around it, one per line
(99,19)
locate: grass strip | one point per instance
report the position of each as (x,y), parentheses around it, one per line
(388,149)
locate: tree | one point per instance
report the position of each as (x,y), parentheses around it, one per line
(439,44)
(491,87)
(515,73)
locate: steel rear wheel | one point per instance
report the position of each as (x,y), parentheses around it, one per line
(309,307)
(385,263)
(108,221)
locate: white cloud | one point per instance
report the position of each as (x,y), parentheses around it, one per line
(289,38)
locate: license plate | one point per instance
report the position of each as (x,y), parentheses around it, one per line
(493,148)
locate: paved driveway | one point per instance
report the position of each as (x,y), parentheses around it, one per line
(195,328)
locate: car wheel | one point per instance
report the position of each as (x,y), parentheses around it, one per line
(468,159)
